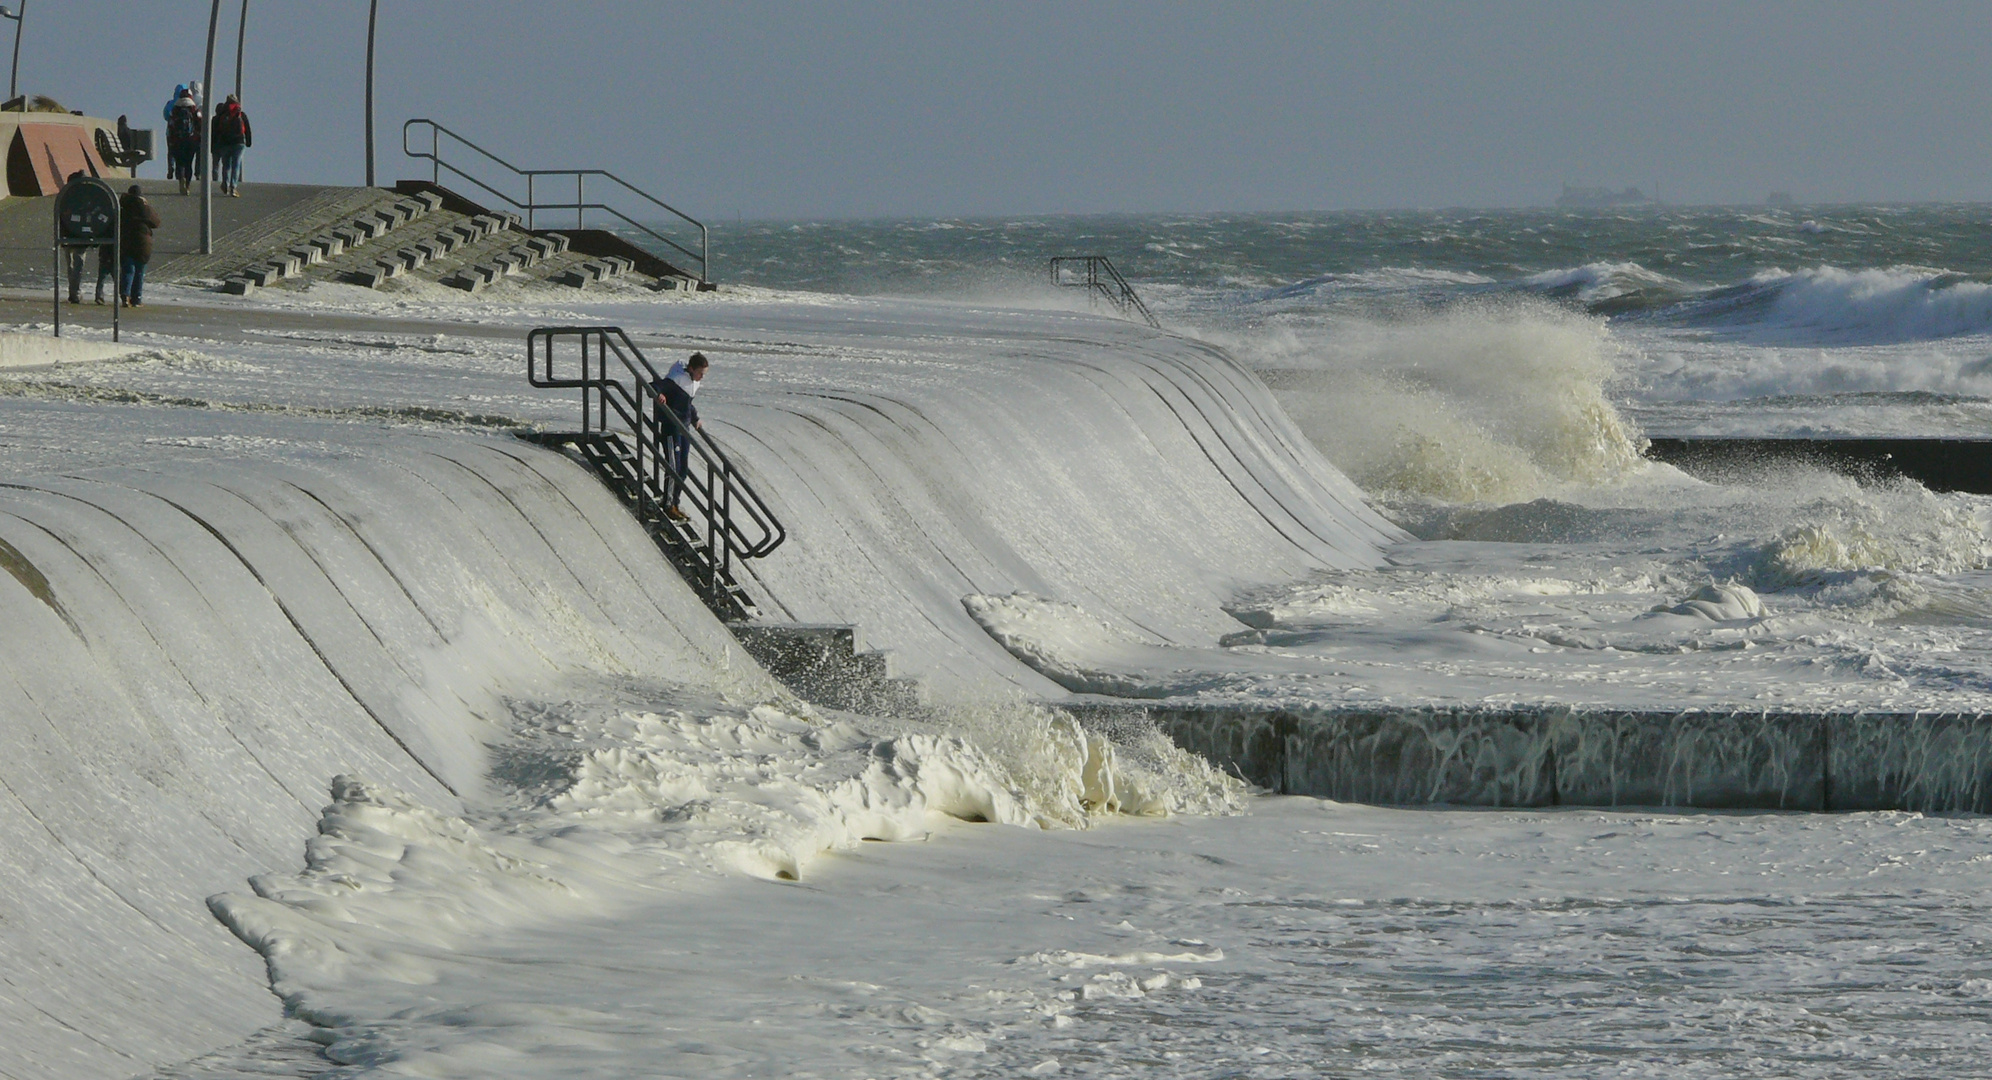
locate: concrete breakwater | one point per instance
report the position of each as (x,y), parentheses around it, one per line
(1559,756)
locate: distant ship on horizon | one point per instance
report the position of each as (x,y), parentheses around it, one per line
(1600,196)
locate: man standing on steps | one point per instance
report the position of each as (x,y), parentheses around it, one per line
(674,393)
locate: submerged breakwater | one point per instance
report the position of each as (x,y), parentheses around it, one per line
(1557,756)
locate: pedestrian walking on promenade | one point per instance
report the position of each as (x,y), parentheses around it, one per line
(231,137)
(183,139)
(139,221)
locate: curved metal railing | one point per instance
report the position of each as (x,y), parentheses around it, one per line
(1096,274)
(532,204)
(615,380)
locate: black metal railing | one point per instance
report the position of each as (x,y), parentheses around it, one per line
(626,432)
(1096,274)
(538,181)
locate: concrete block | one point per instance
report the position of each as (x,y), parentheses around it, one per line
(445,242)
(237,285)
(366,276)
(430,249)
(366,227)
(287,265)
(263,275)
(558,240)
(617,265)
(410,258)
(411,208)
(328,246)
(307,255)
(573,277)
(468,282)
(429,199)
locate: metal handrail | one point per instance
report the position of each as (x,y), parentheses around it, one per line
(1101,279)
(531,204)
(719,493)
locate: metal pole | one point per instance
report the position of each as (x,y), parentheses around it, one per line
(241,35)
(55,248)
(373,17)
(14,80)
(117,276)
(207,136)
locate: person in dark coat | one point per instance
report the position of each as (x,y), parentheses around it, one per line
(231,137)
(183,139)
(139,221)
(674,395)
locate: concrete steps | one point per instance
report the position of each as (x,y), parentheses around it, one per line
(828,665)
(339,242)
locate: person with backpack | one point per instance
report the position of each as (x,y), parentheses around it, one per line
(183,139)
(139,221)
(231,137)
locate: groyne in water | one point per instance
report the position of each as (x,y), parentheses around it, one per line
(1520,756)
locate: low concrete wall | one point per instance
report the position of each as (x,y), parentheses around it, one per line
(1557,756)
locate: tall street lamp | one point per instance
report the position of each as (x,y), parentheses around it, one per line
(241,35)
(14,80)
(373,17)
(207,136)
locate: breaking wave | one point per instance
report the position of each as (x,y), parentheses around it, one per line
(1481,403)
(1829,305)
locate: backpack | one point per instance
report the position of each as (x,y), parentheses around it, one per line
(228,127)
(184,124)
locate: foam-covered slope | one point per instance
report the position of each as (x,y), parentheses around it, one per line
(1144,477)
(193,649)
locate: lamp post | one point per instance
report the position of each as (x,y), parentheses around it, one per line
(373,17)
(14,79)
(241,35)
(207,137)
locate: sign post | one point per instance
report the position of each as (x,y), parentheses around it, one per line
(87,215)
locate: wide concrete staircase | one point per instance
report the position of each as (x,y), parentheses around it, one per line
(396,240)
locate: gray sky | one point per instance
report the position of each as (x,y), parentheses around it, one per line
(872,109)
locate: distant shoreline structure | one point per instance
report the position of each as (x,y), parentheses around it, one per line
(1587,197)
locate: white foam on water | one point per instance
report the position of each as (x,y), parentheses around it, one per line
(1480,403)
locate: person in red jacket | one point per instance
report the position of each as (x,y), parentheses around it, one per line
(231,137)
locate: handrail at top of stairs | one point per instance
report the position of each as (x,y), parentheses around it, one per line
(532,203)
(1096,274)
(717,490)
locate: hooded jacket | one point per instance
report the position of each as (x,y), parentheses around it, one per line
(139,221)
(231,127)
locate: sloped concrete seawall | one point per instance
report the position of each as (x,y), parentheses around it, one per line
(1557,756)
